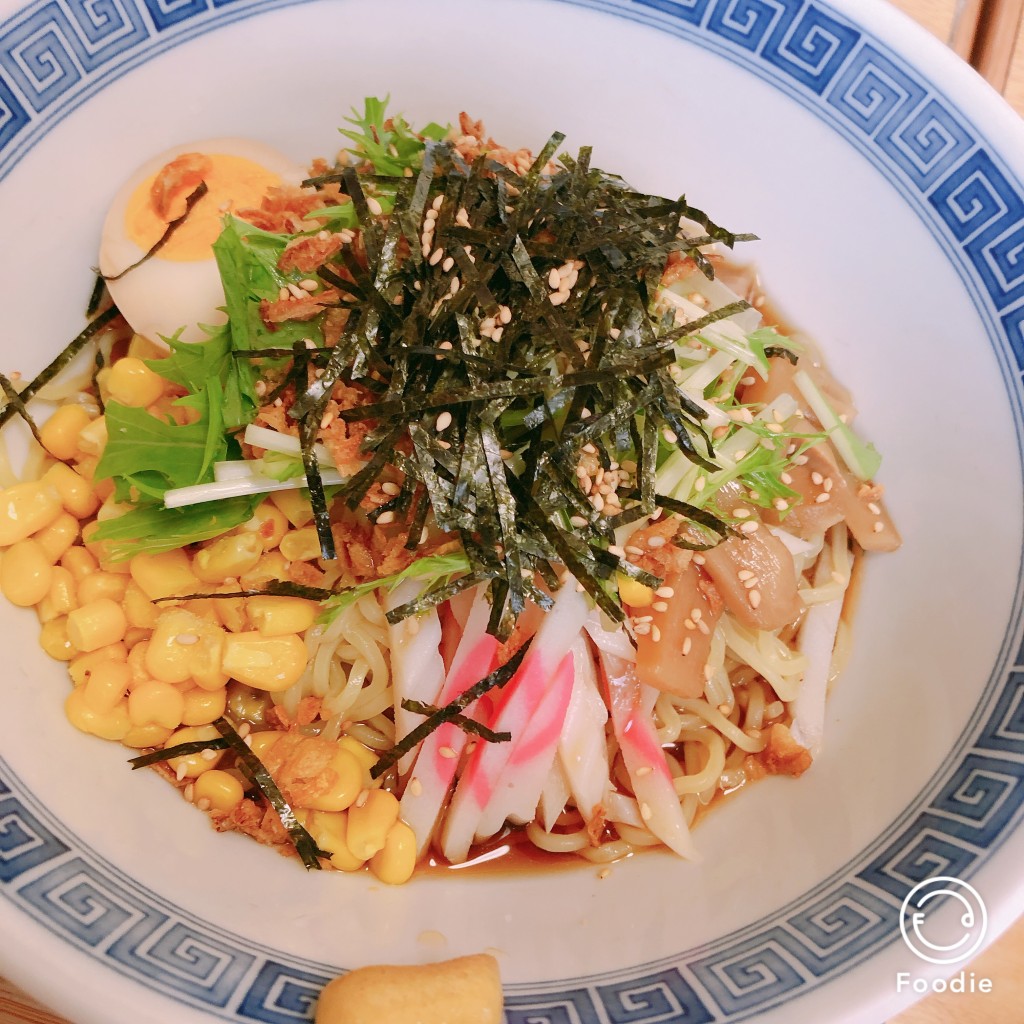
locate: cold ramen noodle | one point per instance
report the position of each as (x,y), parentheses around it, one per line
(447,492)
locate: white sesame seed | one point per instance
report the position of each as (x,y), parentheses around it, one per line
(656,634)
(786,478)
(754,597)
(181,771)
(781,505)
(447,752)
(742,513)
(443,422)
(186,639)
(660,606)
(385,518)
(670,436)
(557,298)
(578,521)
(454,286)
(817,479)
(448,263)
(751,583)
(504,314)
(308,285)
(822,498)
(364,795)
(437,203)
(878,527)
(390,488)
(203,803)
(189,792)
(874,509)
(415,787)
(750,526)
(642,629)
(373,205)
(665,592)
(687,645)
(656,542)
(436,256)
(827,485)
(632,549)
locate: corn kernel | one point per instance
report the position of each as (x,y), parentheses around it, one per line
(139,736)
(27,508)
(61,598)
(25,574)
(203,706)
(107,686)
(269,524)
(300,545)
(230,611)
(635,594)
(132,382)
(279,616)
(53,638)
(366,757)
(110,725)
(79,562)
(140,347)
(59,433)
(184,646)
(271,663)
(347,785)
(57,538)
(97,624)
(137,662)
(261,742)
(395,864)
(83,665)
(164,575)
(191,766)
(155,703)
(229,556)
(293,506)
(328,832)
(103,584)
(223,791)
(135,636)
(138,609)
(369,820)
(92,439)
(272,566)
(76,493)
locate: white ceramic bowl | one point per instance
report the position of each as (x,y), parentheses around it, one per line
(885,180)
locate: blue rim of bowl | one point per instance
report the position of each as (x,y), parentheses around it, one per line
(55,54)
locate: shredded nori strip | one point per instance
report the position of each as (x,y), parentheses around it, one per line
(483,395)
(95,297)
(15,402)
(251,765)
(194,196)
(272,588)
(178,750)
(465,724)
(54,367)
(497,679)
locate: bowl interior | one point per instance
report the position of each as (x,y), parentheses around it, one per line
(854,254)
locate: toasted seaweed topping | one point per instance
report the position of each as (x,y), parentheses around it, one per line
(178,750)
(465,724)
(504,327)
(57,364)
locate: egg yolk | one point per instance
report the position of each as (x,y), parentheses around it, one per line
(233,183)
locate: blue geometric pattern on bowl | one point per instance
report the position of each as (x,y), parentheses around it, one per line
(56,53)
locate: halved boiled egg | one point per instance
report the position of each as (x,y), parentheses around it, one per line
(178,288)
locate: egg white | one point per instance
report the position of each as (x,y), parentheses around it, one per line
(163,296)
